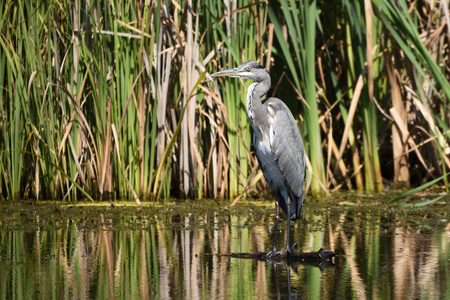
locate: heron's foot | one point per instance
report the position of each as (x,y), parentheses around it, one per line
(279,255)
(268,254)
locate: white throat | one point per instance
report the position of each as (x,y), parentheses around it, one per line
(249,102)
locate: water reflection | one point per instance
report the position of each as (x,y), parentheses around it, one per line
(181,253)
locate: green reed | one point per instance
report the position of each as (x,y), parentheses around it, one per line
(430,98)
(358,36)
(241,32)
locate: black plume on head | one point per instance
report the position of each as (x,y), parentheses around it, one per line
(253,64)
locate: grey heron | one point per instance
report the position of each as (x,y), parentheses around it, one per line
(277,142)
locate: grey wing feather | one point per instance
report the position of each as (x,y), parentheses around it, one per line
(286,144)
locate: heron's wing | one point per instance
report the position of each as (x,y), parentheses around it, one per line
(286,144)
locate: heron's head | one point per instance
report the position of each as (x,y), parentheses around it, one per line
(248,70)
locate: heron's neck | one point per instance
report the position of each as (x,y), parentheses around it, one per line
(253,105)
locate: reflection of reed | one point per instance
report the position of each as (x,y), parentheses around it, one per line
(144,282)
(416,265)
(403,266)
(258,241)
(185,247)
(213,234)
(79,265)
(107,250)
(427,273)
(223,248)
(349,249)
(163,263)
(192,245)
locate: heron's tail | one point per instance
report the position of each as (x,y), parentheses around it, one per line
(296,206)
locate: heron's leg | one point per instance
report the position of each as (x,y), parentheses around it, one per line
(288,249)
(277,213)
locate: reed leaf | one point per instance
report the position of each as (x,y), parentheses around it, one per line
(420,188)
(419,204)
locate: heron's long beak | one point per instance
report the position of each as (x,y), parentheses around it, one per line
(231,72)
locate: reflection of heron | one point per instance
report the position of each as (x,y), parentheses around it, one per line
(277,141)
(277,284)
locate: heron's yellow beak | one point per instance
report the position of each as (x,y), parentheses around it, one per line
(231,72)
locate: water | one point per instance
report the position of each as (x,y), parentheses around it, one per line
(179,250)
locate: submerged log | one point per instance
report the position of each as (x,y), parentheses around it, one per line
(321,255)
(322,259)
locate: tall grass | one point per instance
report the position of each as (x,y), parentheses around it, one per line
(427,71)
(112,93)
(243,32)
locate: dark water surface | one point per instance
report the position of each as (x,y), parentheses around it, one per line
(178,250)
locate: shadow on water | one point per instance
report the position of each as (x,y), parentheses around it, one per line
(182,250)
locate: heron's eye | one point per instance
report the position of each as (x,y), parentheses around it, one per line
(248,68)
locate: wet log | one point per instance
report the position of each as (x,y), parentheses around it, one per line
(319,256)
(322,259)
